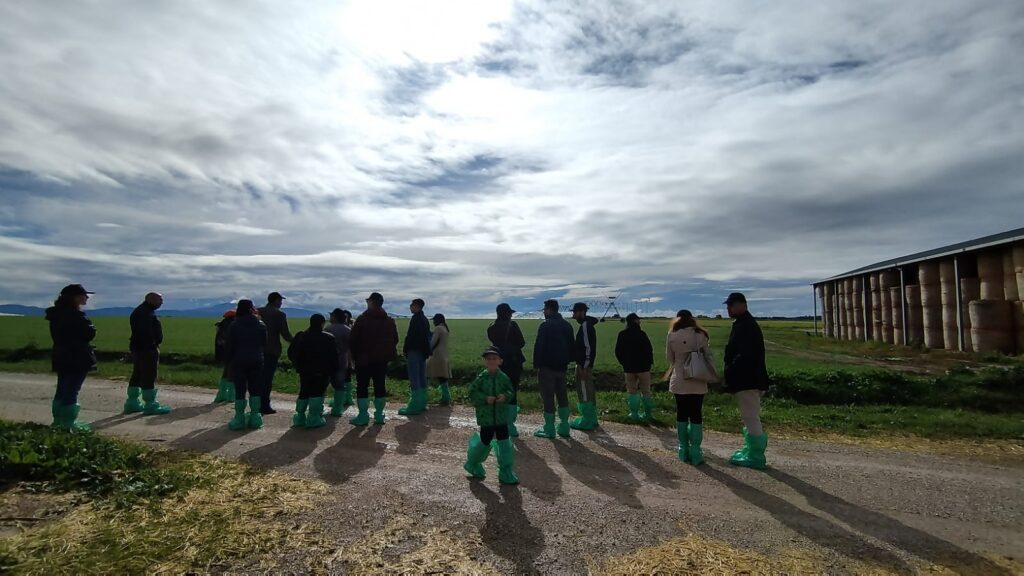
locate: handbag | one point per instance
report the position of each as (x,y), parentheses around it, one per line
(700,366)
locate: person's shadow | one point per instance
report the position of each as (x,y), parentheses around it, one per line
(356,451)
(410,435)
(289,448)
(507,530)
(599,473)
(537,476)
(886,529)
(111,421)
(183,413)
(652,470)
(207,440)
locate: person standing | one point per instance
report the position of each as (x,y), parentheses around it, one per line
(489,393)
(552,353)
(506,335)
(247,339)
(635,353)
(374,343)
(685,338)
(438,365)
(314,354)
(585,353)
(416,349)
(147,335)
(277,327)
(226,388)
(73,356)
(340,380)
(746,377)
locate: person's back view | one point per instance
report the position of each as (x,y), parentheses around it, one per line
(247,338)
(314,355)
(226,388)
(552,353)
(373,343)
(276,322)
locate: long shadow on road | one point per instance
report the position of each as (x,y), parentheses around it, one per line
(183,413)
(535,475)
(356,451)
(507,530)
(290,448)
(599,472)
(652,470)
(207,440)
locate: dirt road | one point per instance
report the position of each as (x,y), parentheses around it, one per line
(600,494)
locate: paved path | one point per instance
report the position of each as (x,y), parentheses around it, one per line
(602,493)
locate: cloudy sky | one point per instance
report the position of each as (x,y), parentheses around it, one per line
(473,152)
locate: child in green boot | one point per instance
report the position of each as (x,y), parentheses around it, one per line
(489,393)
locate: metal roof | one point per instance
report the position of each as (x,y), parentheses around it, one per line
(1000,239)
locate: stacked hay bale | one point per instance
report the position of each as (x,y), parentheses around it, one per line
(991,315)
(970,290)
(876,307)
(858,308)
(886,281)
(915,321)
(1017,267)
(931,304)
(947,287)
(896,297)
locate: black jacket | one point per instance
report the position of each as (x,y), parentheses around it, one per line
(745,367)
(246,339)
(147,334)
(72,333)
(417,339)
(314,352)
(506,335)
(553,348)
(220,340)
(633,350)
(586,343)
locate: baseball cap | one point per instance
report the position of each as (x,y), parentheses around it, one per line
(632,316)
(504,308)
(735,297)
(580,306)
(491,350)
(74,290)
(376,297)
(274,296)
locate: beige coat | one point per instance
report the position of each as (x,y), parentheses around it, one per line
(438,365)
(677,347)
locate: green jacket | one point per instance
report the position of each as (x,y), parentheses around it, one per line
(486,385)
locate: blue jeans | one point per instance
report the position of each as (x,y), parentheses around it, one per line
(68,385)
(269,368)
(417,363)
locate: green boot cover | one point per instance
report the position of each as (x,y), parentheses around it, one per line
(413,407)
(633,402)
(133,404)
(378,410)
(755,453)
(548,429)
(255,419)
(513,413)
(696,438)
(563,422)
(588,417)
(446,394)
(70,419)
(363,417)
(152,406)
(299,418)
(225,391)
(648,408)
(348,396)
(507,462)
(683,436)
(55,412)
(742,452)
(238,422)
(315,418)
(338,402)
(476,453)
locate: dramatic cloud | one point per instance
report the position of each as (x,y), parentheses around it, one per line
(470,152)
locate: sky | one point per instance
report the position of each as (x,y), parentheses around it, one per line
(474,152)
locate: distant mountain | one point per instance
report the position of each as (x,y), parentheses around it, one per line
(214,311)
(20,310)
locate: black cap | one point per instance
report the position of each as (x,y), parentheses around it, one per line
(376,297)
(274,296)
(735,297)
(580,306)
(632,316)
(245,306)
(491,350)
(72,290)
(504,308)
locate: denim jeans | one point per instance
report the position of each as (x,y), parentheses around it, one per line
(68,385)
(417,363)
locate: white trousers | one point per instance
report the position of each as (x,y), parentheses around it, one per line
(750,410)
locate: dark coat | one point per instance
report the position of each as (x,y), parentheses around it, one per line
(745,368)
(507,336)
(147,334)
(220,340)
(374,338)
(553,348)
(633,350)
(314,352)
(72,333)
(246,339)
(585,349)
(417,338)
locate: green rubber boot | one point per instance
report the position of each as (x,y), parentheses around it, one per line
(683,436)
(55,412)
(563,422)
(132,404)
(507,462)
(71,419)
(696,438)
(347,399)
(742,452)
(238,422)
(299,418)
(513,413)
(548,429)
(476,453)
(152,406)
(756,445)
(225,391)
(315,418)
(446,395)
(338,402)
(378,410)
(417,402)
(648,413)
(633,402)
(363,417)
(588,417)
(254,419)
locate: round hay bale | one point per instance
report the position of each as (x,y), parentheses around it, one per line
(992,326)
(970,289)
(858,309)
(931,304)
(897,314)
(990,273)
(886,313)
(876,308)
(1010,291)
(947,287)
(826,309)
(915,320)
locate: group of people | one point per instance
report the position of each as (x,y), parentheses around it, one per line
(248,343)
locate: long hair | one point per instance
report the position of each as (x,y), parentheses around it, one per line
(65,301)
(439,320)
(685,319)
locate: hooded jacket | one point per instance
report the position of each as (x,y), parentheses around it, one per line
(745,367)
(147,333)
(633,350)
(374,338)
(247,338)
(506,335)
(72,333)
(586,343)
(553,348)
(314,352)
